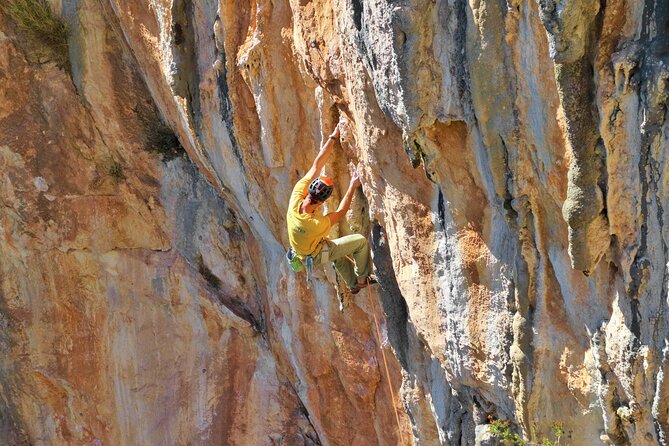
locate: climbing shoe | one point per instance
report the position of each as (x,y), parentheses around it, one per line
(360,285)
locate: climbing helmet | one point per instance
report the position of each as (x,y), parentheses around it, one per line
(321,188)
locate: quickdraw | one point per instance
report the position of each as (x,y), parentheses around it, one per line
(310,267)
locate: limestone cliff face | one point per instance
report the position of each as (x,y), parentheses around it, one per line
(513,157)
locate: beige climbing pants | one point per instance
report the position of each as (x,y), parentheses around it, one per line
(336,251)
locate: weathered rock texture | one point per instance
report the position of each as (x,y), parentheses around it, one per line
(514,159)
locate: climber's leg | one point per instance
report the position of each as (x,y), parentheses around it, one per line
(345,269)
(355,246)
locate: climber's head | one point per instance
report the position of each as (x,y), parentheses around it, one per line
(320,189)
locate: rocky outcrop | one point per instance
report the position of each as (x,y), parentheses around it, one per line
(513,158)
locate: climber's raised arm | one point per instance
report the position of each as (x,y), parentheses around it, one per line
(308,228)
(346,201)
(323,154)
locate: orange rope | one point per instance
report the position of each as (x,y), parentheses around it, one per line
(385,361)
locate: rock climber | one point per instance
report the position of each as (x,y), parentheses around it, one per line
(308,227)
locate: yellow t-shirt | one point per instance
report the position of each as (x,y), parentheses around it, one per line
(305,231)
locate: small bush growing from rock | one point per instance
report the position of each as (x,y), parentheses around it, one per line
(501,430)
(558,432)
(115,170)
(48,34)
(158,137)
(161,139)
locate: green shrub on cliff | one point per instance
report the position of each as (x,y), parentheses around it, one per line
(158,136)
(115,170)
(47,33)
(501,430)
(161,139)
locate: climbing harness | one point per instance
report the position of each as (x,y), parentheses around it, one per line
(297,264)
(385,361)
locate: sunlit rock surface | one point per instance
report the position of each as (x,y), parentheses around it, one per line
(513,157)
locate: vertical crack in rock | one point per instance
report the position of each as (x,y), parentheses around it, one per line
(608,391)
(511,214)
(394,305)
(312,434)
(434,412)
(654,93)
(521,352)
(357,13)
(225,103)
(640,265)
(660,408)
(571,31)
(461,65)
(185,79)
(441,210)
(650,59)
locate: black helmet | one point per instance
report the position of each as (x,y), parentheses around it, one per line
(321,188)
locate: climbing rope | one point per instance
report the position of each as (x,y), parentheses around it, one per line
(385,361)
(383,353)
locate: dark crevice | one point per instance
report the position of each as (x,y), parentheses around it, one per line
(618,434)
(649,169)
(415,152)
(654,83)
(640,264)
(603,181)
(394,305)
(461,64)
(441,210)
(649,8)
(240,310)
(523,302)
(313,435)
(609,381)
(511,214)
(508,333)
(158,136)
(185,73)
(208,275)
(635,325)
(225,104)
(357,13)
(235,306)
